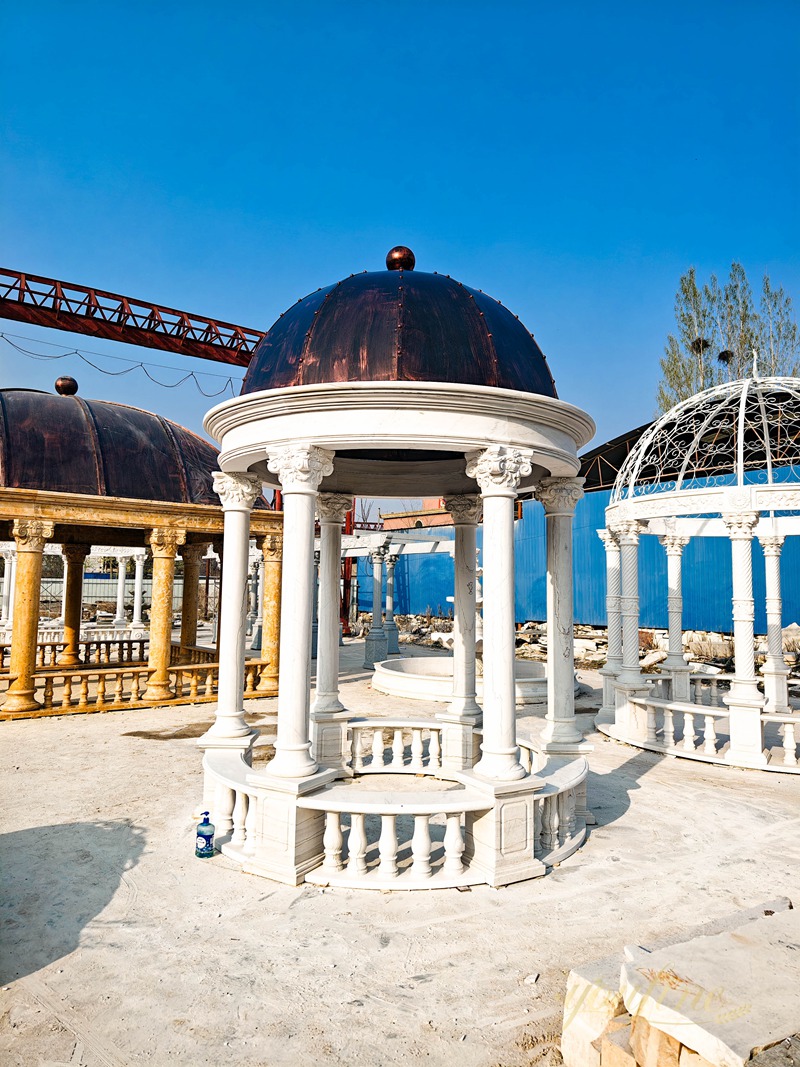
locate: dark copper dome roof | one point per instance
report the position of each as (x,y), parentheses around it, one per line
(399,325)
(65,444)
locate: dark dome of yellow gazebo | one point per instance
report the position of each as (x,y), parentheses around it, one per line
(399,325)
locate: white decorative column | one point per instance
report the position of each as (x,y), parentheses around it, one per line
(60,619)
(300,468)
(630,721)
(559,496)
(138,585)
(8,567)
(375,647)
(389,625)
(315,606)
(238,493)
(675,663)
(460,748)
(328,711)
(613,622)
(774,671)
(499,471)
(12,593)
(122,566)
(744,700)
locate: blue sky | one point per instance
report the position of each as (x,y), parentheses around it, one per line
(570,159)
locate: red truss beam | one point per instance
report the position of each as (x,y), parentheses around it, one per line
(63,306)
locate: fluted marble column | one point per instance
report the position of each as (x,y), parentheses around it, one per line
(774,671)
(675,662)
(30,536)
(375,645)
(191,556)
(138,586)
(499,471)
(744,700)
(122,566)
(300,469)
(466,512)
(164,542)
(389,625)
(271,546)
(74,559)
(559,496)
(613,620)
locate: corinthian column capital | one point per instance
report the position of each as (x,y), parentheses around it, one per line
(301,468)
(609,539)
(740,524)
(333,507)
(628,530)
(271,546)
(31,534)
(237,492)
(771,544)
(674,544)
(164,541)
(499,469)
(75,553)
(466,510)
(559,495)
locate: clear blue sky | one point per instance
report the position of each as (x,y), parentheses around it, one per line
(570,159)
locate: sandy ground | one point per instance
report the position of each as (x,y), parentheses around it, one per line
(119,947)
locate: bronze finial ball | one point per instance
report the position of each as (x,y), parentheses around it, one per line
(66,386)
(400,258)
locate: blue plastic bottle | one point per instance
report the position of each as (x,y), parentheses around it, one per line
(204,844)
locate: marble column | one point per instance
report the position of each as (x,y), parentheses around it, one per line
(559,496)
(675,663)
(499,471)
(466,513)
(191,556)
(300,469)
(74,559)
(62,616)
(775,672)
(138,586)
(628,533)
(238,493)
(12,593)
(744,700)
(30,536)
(375,648)
(315,606)
(9,557)
(272,553)
(327,711)
(613,621)
(122,566)
(389,625)
(164,542)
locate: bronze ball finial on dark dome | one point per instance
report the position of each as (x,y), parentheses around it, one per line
(66,386)
(400,258)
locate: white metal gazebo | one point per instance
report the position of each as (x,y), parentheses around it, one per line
(724,463)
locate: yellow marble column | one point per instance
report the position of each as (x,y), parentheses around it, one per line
(272,549)
(164,543)
(191,556)
(75,556)
(30,536)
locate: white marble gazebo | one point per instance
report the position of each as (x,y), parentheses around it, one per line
(725,463)
(342,399)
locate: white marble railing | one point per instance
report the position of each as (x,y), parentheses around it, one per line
(681,728)
(560,812)
(789,724)
(98,650)
(369,754)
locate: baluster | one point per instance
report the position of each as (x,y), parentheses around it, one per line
(83,696)
(710,734)
(525,759)
(66,699)
(698,691)
(332,842)
(106,653)
(421,847)
(669,728)
(416,750)
(100,699)
(570,812)
(652,735)
(387,847)
(377,748)
(47,700)
(453,845)
(688,731)
(179,683)
(249,846)
(714,699)
(40,656)
(119,688)
(398,748)
(239,816)
(537,827)
(209,687)
(563,818)
(357,845)
(223,808)
(358,750)
(193,686)
(789,745)
(434,751)
(549,823)
(249,686)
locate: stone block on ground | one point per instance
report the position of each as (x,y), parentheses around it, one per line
(591,1002)
(615,1049)
(651,1047)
